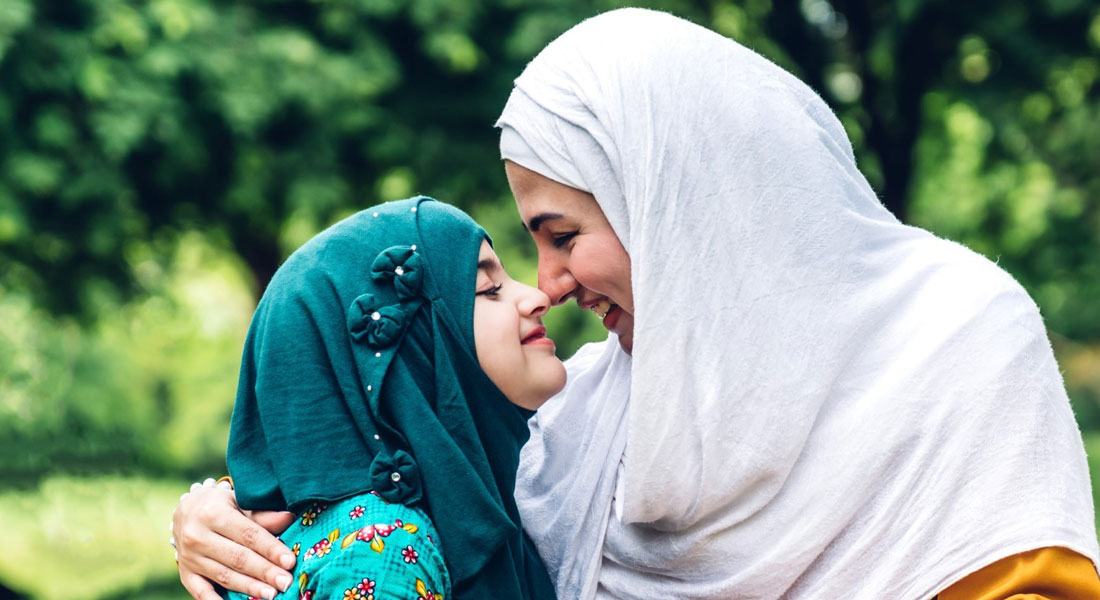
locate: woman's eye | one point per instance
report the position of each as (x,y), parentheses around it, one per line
(492,292)
(562,239)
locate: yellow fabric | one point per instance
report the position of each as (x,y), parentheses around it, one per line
(1045,574)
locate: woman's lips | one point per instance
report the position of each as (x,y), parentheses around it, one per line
(612,317)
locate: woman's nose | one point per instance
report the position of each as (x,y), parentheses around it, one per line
(555,281)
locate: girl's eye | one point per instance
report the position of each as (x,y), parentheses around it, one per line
(562,239)
(492,292)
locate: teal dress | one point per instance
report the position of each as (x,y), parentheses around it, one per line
(364,548)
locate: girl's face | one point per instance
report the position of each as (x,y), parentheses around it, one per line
(511,342)
(579,254)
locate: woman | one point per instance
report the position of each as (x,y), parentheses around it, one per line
(821,402)
(387,379)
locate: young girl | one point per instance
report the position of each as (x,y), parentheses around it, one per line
(387,379)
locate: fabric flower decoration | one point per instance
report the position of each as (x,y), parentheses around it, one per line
(410,555)
(404,266)
(378,326)
(396,477)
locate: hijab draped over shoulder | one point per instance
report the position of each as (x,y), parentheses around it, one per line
(360,374)
(822,402)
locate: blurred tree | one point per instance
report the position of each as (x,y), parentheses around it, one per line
(129,121)
(124,123)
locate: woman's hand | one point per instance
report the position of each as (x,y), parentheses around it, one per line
(216,541)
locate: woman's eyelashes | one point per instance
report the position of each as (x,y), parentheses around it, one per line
(561,239)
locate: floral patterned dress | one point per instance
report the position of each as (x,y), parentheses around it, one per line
(364,548)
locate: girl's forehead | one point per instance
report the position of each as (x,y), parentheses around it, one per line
(487,259)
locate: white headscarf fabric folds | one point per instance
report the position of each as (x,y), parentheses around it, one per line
(823,402)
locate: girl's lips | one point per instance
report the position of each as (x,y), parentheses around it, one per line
(542,341)
(537,336)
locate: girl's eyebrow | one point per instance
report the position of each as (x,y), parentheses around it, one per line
(487,264)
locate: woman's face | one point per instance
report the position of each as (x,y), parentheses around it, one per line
(580,256)
(511,342)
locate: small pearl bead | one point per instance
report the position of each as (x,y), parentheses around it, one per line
(399,270)
(378,355)
(375,214)
(395,477)
(375,315)
(414,247)
(369,388)
(377,437)
(414,209)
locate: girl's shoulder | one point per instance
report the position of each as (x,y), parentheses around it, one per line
(364,548)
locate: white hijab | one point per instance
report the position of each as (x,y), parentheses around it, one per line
(823,402)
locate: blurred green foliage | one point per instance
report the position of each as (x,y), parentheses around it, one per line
(159,158)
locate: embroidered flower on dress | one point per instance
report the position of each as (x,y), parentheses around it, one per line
(352,594)
(319,549)
(365,534)
(366,587)
(356,512)
(409,555)
(310,516)
(297,548)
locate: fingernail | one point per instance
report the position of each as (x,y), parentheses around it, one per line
(287,561)
(283,582)
(267,592)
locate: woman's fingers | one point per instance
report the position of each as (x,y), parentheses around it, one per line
(275,522)
(266,553)
(230,580)
(216,541)
(198,586)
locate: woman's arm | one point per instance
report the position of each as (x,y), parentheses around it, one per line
(216,541)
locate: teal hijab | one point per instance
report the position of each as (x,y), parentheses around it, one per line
(360,373)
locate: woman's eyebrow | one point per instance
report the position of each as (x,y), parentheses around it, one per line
(539,219)
(487,264)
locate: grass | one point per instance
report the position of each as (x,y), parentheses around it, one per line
(85,538)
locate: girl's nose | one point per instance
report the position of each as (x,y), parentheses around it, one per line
(533,302)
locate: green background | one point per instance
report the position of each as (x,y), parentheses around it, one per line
(158,159)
